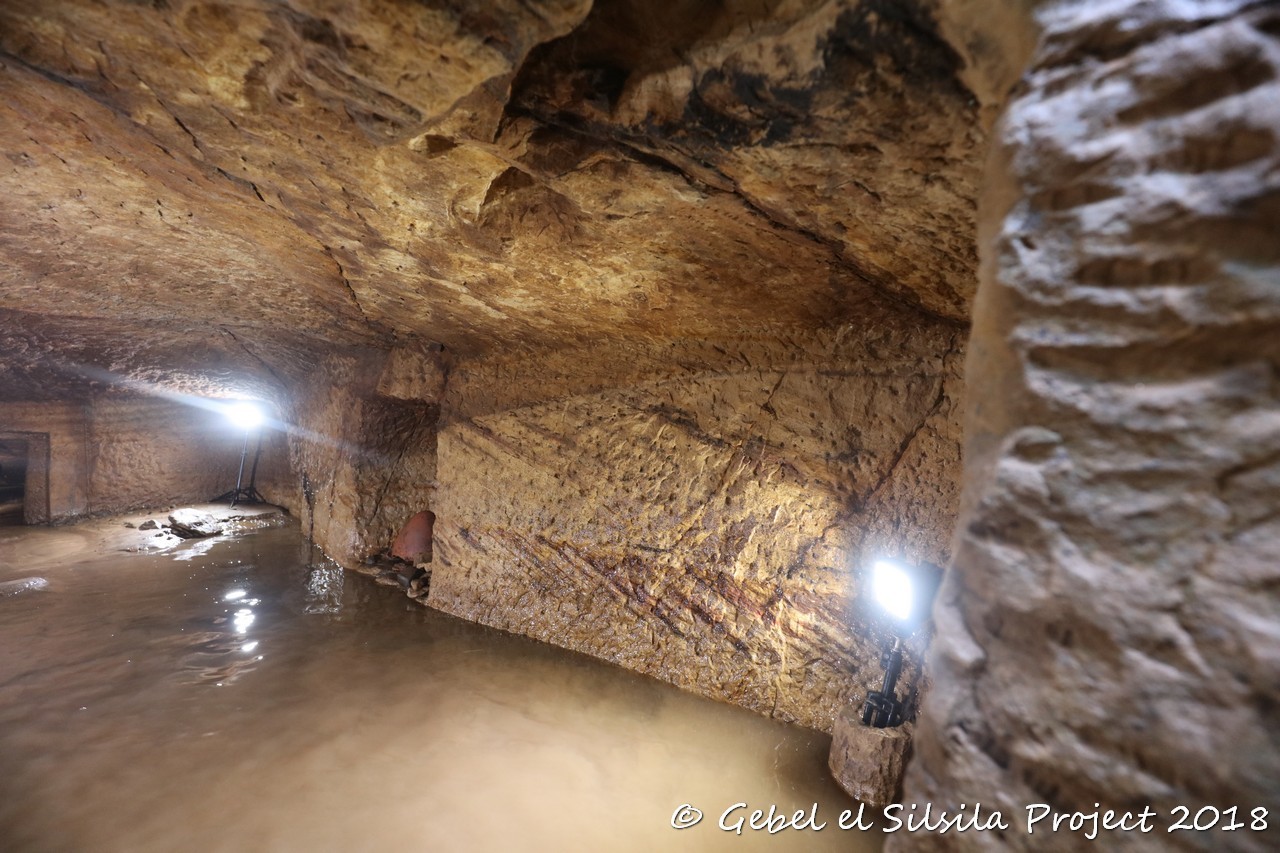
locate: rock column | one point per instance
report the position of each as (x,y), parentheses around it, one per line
(1110,630)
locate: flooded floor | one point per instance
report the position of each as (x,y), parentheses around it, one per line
(225,695)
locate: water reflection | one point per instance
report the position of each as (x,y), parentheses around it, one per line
(384,726)
(196,548)
(324,588)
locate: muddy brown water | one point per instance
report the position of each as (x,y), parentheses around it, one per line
(242,694)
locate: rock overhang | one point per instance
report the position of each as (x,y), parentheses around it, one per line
(267,183)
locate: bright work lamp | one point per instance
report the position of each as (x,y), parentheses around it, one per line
(892,587)
(904,593)
(248,417)
(244,414)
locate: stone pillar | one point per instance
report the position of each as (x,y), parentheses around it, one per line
(1110,629)
(868,763)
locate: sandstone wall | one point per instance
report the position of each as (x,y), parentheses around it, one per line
(362,449)
(702,513)
(65,425)
(117,454)
(1109,629)
(150,452)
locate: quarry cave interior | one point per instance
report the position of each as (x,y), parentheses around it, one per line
(612,351)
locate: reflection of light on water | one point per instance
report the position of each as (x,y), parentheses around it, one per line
(234,595)
(221,657)
(324,589)
(196,548)
(243,619)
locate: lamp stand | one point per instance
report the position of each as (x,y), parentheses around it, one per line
(245,494)
(883,710)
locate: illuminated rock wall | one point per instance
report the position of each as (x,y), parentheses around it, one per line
(1108,633)
(707,524)
(113,454)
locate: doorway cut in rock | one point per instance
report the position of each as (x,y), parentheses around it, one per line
(24,478)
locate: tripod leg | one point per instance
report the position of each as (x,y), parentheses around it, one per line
(253,472)
(244,451)
(251,492)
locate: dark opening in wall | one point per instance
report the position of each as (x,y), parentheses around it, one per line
(24,478)
(13,480)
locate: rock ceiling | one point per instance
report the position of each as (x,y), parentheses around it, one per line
(226,189)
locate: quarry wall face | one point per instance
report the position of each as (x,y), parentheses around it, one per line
(362,450)
(711,526)
(759,217)
(111,455)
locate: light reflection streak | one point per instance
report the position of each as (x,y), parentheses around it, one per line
(219,405)
(196,548)
(243,619)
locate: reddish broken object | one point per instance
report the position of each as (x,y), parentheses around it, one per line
(413,542)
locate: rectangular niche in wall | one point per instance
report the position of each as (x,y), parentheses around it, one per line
(24,478)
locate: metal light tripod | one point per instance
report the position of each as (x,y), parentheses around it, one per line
(245,494)
(883,710)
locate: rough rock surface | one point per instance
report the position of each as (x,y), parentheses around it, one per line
(867,762)
(193,524)
(690,282)
(712,528)
(363,450)
(695,279)
(231,192)
(109,454)
(1109,629)
(726,245)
